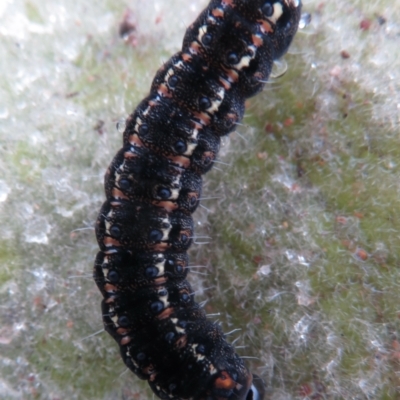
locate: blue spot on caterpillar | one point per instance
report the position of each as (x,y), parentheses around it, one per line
(153,185)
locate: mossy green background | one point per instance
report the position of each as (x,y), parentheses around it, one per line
(299,234)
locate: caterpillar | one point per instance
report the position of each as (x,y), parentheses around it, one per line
(153,186)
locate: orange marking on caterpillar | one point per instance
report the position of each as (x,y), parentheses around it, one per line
(109,242)
(195,48)
(125,340)
(257,40)
(197,125)
(203,117)
(135,140)
(163,90)
(110,300)
(153,376)
(181,342)
(149,370)
(166,313)
(231,74)
(225,83)
(167,205)
(123,331)
(110,288)
(217,12)
(182,161)
(265,26)
(117,194)
(129,155)
(161,246)
(160,281)
(224,382)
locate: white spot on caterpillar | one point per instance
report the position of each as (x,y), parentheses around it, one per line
(278,11)
(167,230)
(175,188)
(211,20)
(164,299)
(115,319)
(199,357)
(202,32)
(170,73)
(190,148)
(216,13)
(245,60)
(160,264)
(179,65)
(194,134)
(139,122)
(192,144)
(212,369)
(118,175)
(179,329)
(216,103)
(107,223)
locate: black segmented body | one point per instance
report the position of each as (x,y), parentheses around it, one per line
(153,185)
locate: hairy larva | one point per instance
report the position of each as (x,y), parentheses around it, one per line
(153,185)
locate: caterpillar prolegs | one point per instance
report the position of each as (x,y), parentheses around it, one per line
(153,185)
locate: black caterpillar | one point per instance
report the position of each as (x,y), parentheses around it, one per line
(153,185)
